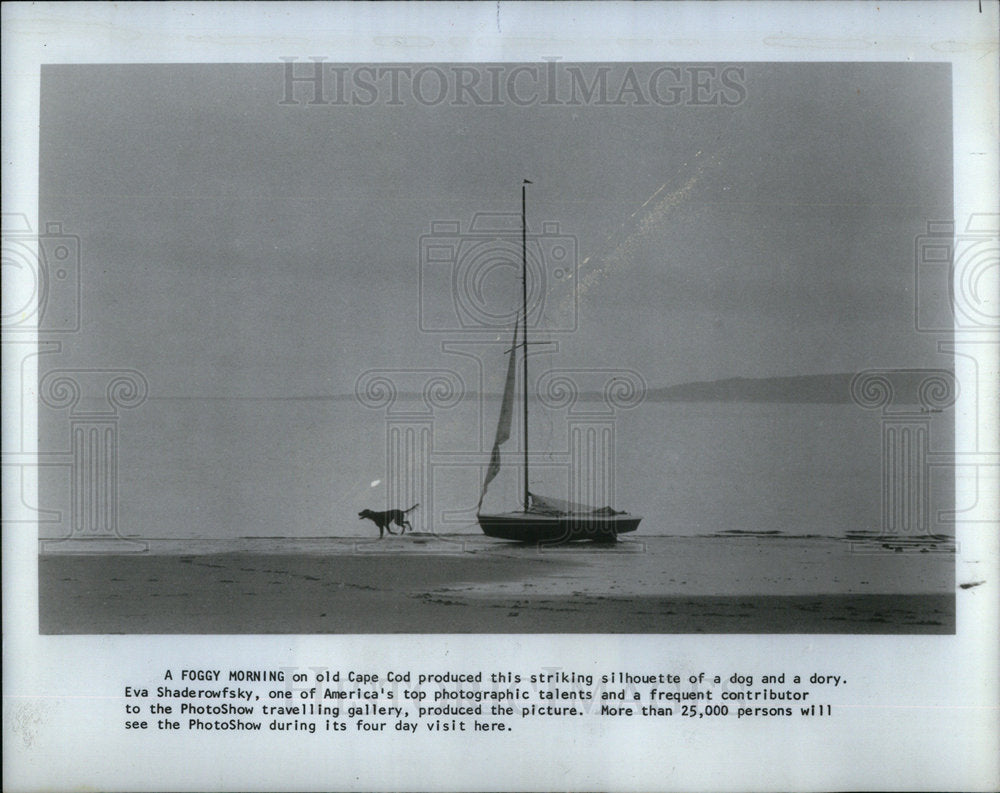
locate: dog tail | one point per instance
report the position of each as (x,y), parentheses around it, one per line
(406,511)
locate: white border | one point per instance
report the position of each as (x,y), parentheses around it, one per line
(923,710)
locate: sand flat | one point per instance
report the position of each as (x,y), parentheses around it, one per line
(658,585)
(729,566)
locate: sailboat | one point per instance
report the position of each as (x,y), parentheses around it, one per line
(541,519)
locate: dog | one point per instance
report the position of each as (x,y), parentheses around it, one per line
(385,519)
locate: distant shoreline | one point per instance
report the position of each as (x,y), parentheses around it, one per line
(829,389)
(474,540)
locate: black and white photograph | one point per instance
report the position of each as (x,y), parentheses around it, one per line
(619,357)
(321,282)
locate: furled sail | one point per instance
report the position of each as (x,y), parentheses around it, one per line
(545,505)
(503,425)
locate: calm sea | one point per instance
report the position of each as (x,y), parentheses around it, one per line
(218,469)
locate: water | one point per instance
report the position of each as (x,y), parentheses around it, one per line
(221,469)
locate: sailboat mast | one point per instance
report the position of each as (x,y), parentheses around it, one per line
(524,315)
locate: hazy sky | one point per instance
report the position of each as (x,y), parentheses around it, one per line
(232,245)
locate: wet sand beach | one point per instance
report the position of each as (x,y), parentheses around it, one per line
(421,585)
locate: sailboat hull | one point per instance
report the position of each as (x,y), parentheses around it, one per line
(535,528)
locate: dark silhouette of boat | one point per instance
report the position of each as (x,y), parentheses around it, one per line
(542,519)
(536,526)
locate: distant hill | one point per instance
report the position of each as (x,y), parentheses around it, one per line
(818,388)
(829,388)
